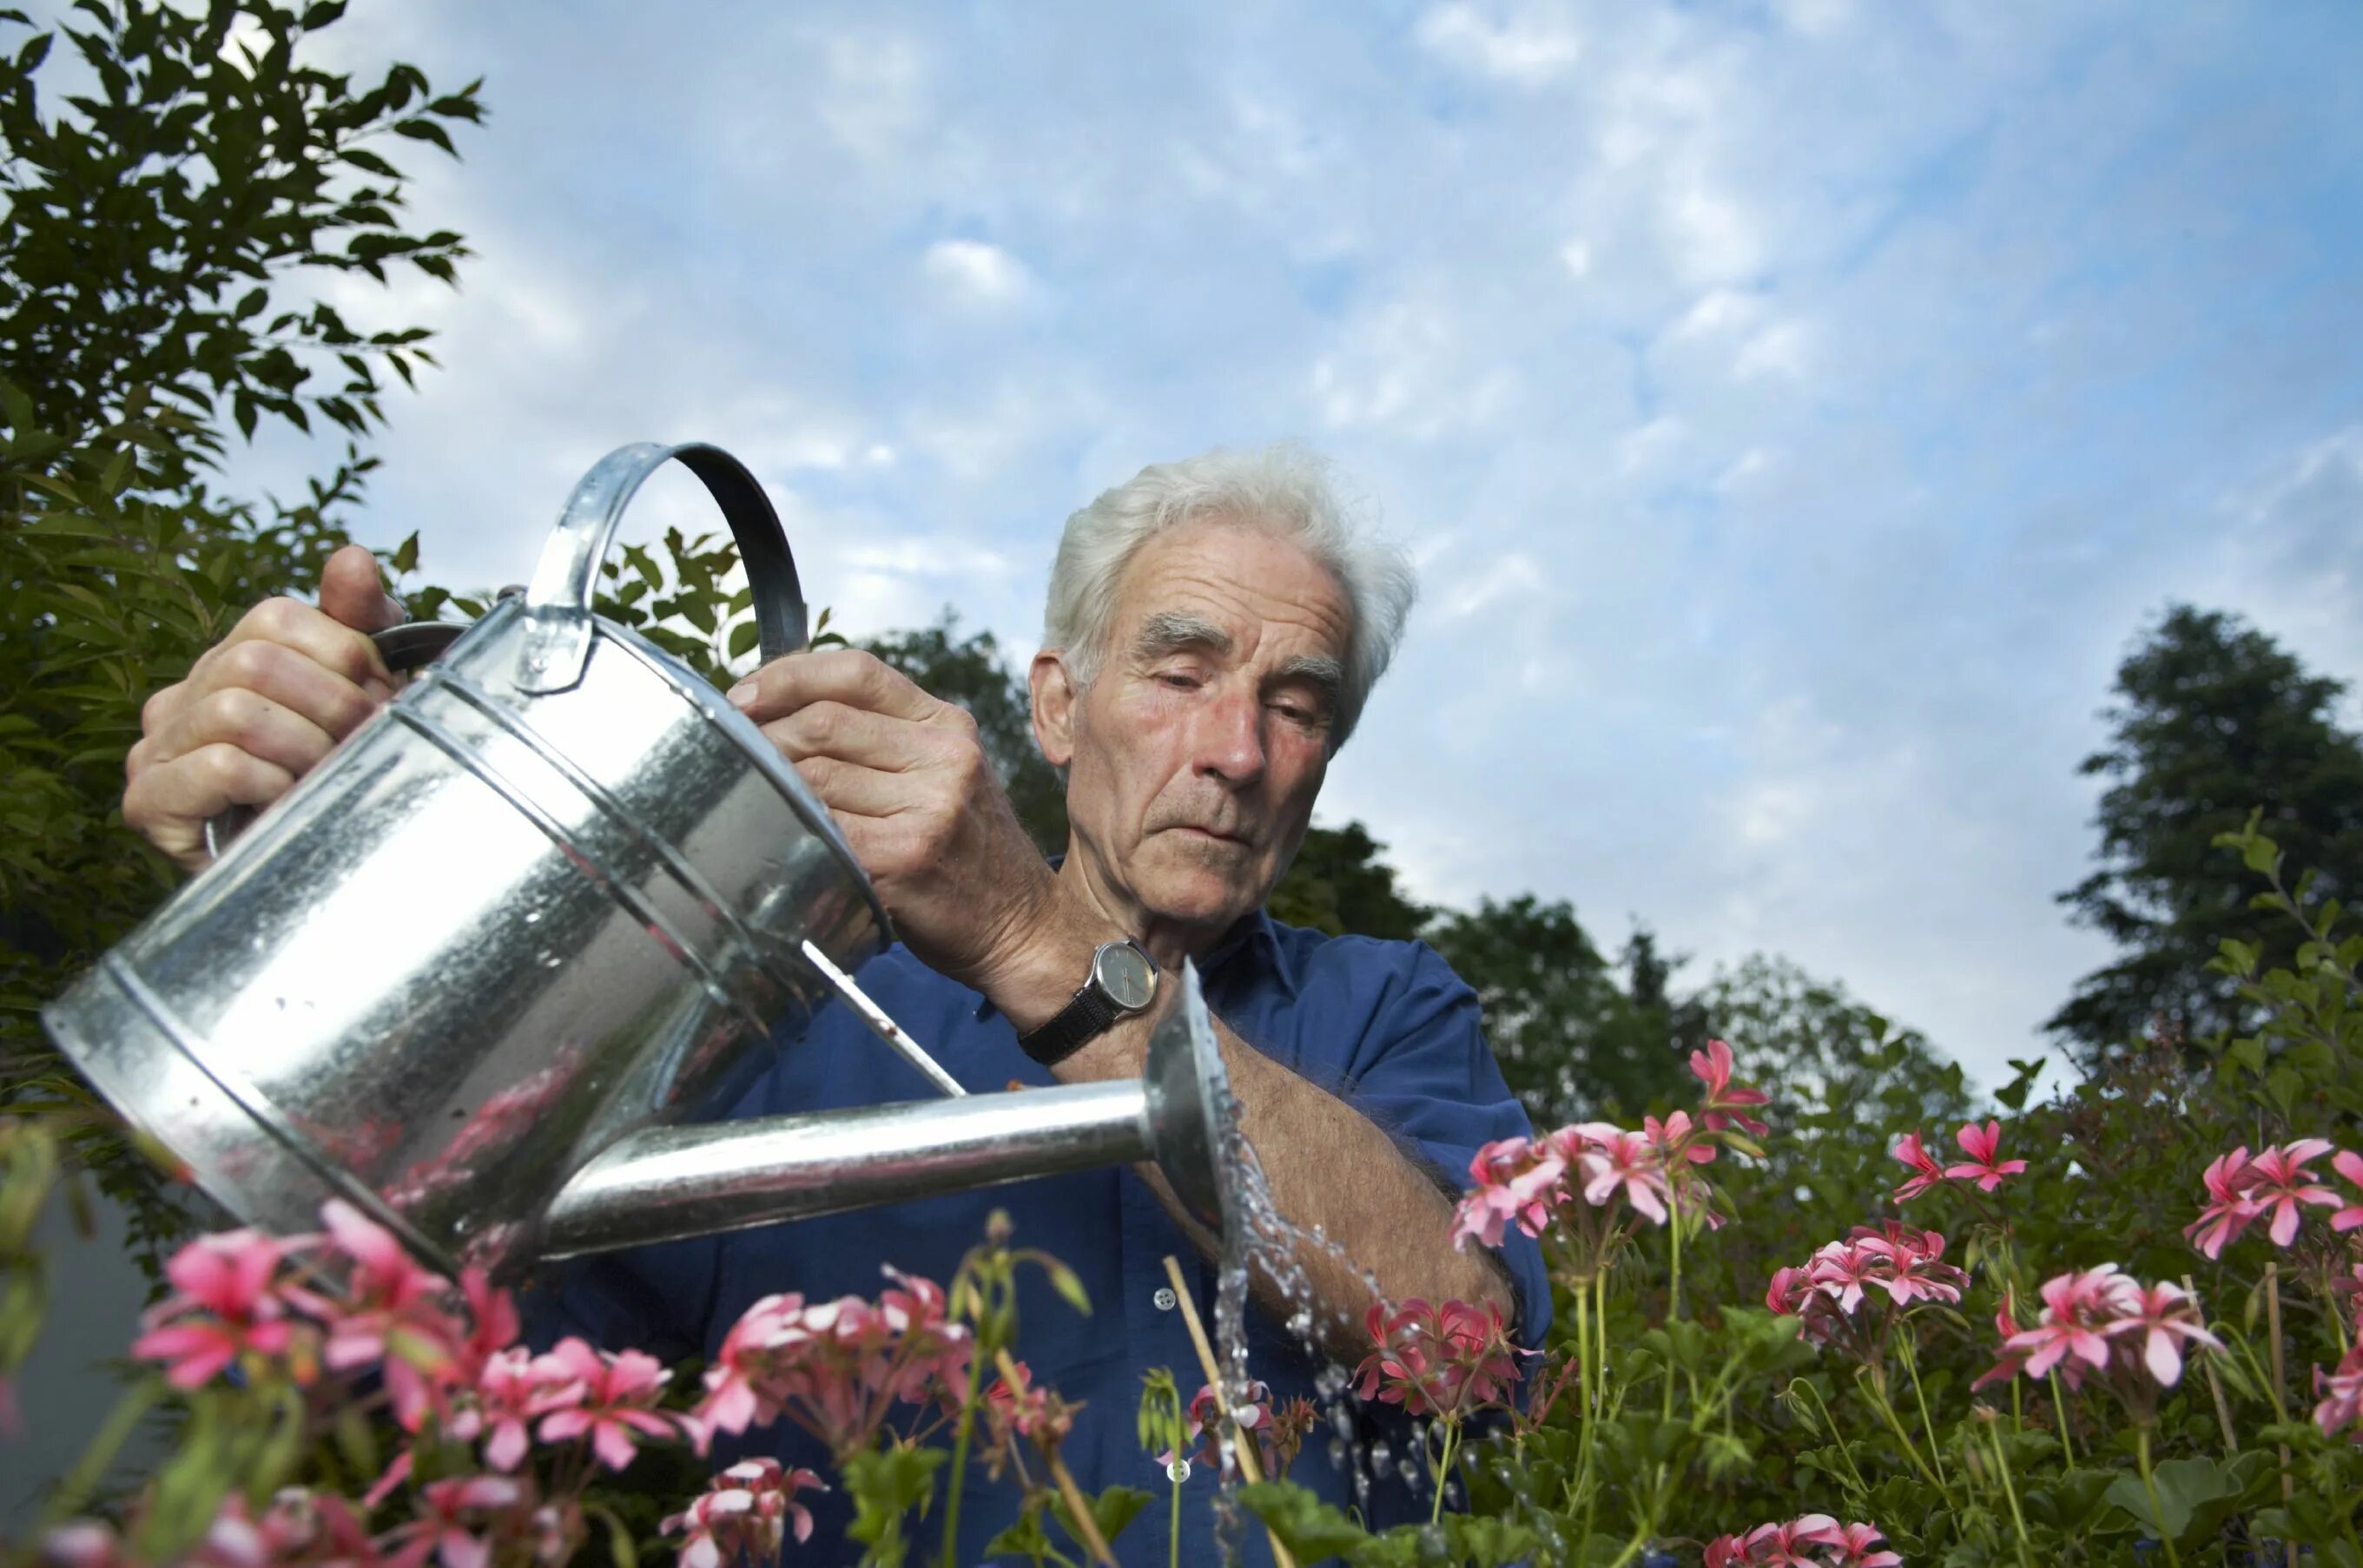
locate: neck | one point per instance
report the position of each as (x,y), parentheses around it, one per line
(1086,890)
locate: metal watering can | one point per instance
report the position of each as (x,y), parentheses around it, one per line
(473,969)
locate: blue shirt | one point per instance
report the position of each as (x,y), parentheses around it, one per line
(1384,1026)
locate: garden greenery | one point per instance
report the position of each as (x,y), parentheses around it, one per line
(2127,1320)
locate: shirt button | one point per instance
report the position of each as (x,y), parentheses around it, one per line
(1178,1471)
(1164,1298)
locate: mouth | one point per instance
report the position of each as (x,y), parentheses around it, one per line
(1209,836)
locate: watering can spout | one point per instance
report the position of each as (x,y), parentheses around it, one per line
(670,1183)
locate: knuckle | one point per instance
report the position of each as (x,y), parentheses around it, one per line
(157,711)
(276,617)
(249,664)
(236,716)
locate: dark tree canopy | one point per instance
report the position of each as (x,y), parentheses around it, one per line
(2212,720)
(1339,884)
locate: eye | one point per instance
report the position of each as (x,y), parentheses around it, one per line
(1178,680)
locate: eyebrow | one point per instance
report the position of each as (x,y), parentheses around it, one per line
(1171,631)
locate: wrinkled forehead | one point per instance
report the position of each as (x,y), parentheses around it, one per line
(1229,586)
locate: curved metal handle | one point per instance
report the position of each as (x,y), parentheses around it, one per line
(404,648)
(558,601)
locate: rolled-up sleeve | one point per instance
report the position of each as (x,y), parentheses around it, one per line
(1423,1071)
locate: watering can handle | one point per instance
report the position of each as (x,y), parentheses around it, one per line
(558,601)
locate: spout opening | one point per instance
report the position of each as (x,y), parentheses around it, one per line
(1191,1121)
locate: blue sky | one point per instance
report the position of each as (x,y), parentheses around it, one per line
(1797,409)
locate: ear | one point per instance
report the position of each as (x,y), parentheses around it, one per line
(1053,689)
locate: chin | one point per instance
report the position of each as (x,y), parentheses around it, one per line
(1187,890)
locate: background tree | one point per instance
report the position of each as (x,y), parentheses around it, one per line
(1339,884)
(156,230)
(2212,720)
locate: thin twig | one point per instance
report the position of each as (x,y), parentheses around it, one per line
(2215,1385)
(1242,1443)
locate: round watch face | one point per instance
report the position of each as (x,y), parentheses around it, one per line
(1126,976)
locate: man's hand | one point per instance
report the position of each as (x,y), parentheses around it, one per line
(909,783)
(260,708)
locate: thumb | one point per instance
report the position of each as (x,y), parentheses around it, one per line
(351,592)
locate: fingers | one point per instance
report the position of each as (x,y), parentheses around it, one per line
(170,802)
(856,736)
(267,692)
(325,640)
(850,790)
(351,592)
(847,675)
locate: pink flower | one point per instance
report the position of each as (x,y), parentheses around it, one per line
(1726,1103)
(393,1312)
(1518,1180)
(225,1304)
(1841,1269)
(734,1398)
(448,1528)
(2077,1309)
(1855,1542)
(1614,1161)
(1205,1427)
(2012,1363)
(1981,1143)
(1784,1545)
(2161,1314)
(1727,1551)
(747,1513)
(2280,1184)
(2229,1208)
(85,1543)
(2349,1164)
(2342,1395)
(1675,1141)
(1929,1172)
(1917,1270)
(1445,1360)
(514,1389)
(617,1391)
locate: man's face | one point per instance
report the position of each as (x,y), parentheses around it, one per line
(1200,747)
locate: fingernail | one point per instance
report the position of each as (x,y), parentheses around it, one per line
(742,696)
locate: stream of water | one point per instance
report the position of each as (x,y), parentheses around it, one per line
(1259,1238)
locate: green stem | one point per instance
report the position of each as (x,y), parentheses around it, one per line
(2059,1414)
(1861,1488)
(1674,1301)
(1583,1405)
(1928,1424)
(1870,1382)
(2149,1485)
(1173,1535)
(1444,1469)
(2001,1464)
(960,1464)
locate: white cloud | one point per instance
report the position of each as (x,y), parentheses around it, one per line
(975,273)
(1576,256)
(1527,49)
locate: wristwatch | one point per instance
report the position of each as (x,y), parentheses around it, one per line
(1123,981)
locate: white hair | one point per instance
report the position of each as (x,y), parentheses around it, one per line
(1283,489)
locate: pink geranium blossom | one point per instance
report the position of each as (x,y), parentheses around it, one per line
(452,1526)
(1861,1546)
(2077,1308)
(1676,1140)
(2230,1209)
(1784,1545)
(2281,1184)
(1727,1104)
(1613,1162)
(1916,1270)
(1926,1172)
(1981,1143)
(2348,1163)
(1204,1429)
(2341,1392)
(746,1514)
(618,1391)
(392,1311)
(1446,1361)
(1518,1181)
(226,1303)
(2162,1315)
(514,1389)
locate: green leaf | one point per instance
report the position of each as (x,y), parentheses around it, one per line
(1309,1528)
(1112,1510)
(744,637)
(404,559)
(2195,1497)
(1069,1285)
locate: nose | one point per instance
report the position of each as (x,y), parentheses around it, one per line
(1230,738)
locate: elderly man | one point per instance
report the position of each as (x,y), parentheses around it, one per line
(1213,630)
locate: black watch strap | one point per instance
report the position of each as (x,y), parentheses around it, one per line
(1078,1024)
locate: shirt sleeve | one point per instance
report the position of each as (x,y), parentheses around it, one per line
(1422,1071)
